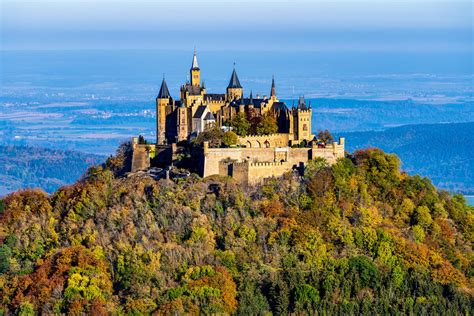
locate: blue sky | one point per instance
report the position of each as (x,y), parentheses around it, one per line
(324,25)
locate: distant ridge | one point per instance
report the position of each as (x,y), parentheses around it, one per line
(49,169)
(442,152)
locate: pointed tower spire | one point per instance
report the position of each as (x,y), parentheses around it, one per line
(234,81)
(195,72)
(195,64)
(164,92)
(273,91)
(251,98)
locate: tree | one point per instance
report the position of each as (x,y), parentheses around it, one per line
(122,161)
(240,124)
(423,216)
(230,138)
(325,136)
(212,134)
(267,125)
(5,254)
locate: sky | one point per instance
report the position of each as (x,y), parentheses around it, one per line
(258,25)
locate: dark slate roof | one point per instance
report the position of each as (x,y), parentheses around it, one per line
(200,111)
(209,117)
(234,81)
(214,96)
(164,92)
(247,101)
(193,90)
(280,106)
(302,103)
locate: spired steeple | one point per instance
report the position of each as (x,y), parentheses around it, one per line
(273,91)
(234,82)
(164,92)
(195,71)
(195,64)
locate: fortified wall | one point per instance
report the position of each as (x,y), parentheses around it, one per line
(142,155)
(265,141)
(250,165)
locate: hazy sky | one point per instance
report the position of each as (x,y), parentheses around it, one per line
(324,25)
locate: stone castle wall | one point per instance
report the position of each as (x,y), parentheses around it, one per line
(252,165)
(142,154)
(262,141)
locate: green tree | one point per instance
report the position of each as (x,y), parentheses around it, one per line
(267,125)
(240,124)
(5,255)
(423,216)
(229,139)
(212,134)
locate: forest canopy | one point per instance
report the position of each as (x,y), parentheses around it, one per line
(355,237)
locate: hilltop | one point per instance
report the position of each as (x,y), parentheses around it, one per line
(355,237)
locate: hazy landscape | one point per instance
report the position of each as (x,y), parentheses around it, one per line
(91,101)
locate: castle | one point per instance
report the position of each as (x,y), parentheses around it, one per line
(254,157)
(181,120)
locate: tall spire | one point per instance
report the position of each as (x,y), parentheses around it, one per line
(164,92)
(195,64)
(234,80)
(273,92)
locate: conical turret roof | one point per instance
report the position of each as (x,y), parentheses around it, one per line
(164,92)
(234,81)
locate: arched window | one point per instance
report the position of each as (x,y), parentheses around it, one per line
(305,127)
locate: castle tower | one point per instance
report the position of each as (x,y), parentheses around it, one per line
(302,121)
(182,123)
(163,100)
(195,71)
(234,89)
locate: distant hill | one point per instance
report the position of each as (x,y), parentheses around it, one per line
(24,166)
(442,152)
(348,115)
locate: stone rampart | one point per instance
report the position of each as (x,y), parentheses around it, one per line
(251,165)
(142,155)
(265,141)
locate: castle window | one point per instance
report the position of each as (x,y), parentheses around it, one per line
(305,127)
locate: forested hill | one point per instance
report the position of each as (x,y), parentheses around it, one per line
(357,237)
(442,152)
(35,167)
